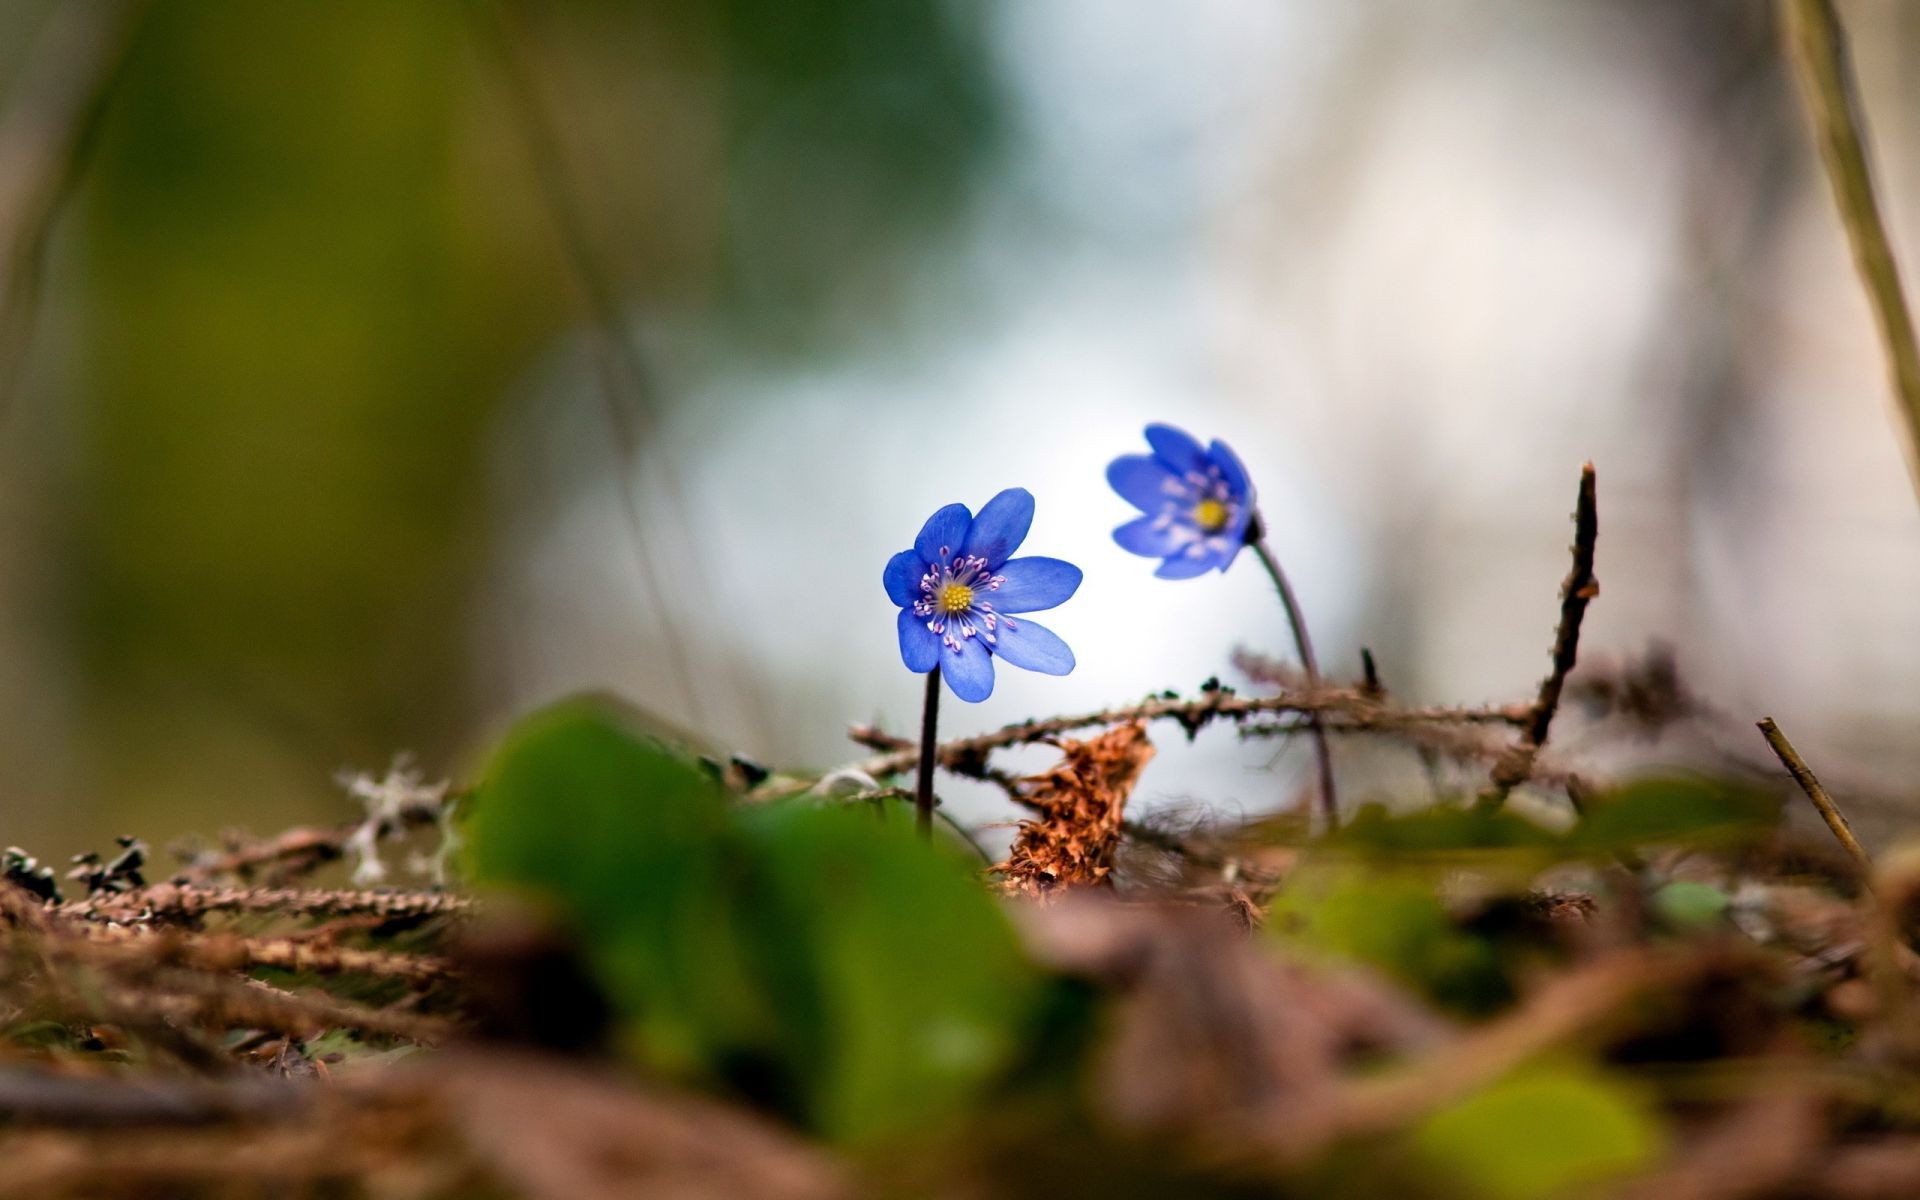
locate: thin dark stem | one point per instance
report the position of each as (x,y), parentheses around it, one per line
(1322,753)
(929,754)
(1576,592)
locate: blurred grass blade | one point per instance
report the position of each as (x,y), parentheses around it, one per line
(1818,47)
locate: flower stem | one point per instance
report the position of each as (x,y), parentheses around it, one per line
(1257,538)
(929,749)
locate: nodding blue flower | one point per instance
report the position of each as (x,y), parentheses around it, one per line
(959,587)
(1197,499)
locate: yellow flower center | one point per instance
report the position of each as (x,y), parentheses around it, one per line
(955,598)
(1210,515)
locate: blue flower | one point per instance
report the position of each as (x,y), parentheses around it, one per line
(959,586)
(1197,499)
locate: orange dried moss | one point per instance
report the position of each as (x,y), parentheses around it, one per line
(1080,801)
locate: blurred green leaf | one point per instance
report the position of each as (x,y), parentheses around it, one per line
(1689,905)
(820,957)
(1393,921)
(1675,809)
(1441,829)
(1540,1133)
(920,992)
(629,839)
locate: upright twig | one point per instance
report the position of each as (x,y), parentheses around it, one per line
(1579,589)
(1816,792)
(1322,753)
(1818,47)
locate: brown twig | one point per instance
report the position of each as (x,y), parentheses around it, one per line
(233,952)
(1345,708)
(1816,792)
(298,850)
(1580,1003)
(1817,45)
(228,1002)
(172,900)
(1516,766)
(1008,782)
(162,980)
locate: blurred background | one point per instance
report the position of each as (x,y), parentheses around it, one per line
(371,372)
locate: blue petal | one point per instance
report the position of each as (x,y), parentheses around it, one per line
(902,577)
(1035,583)
(1144,481)
(1001,526)
(1187,566)
(1238,532)
(944,533)
(1033,646)
(1177,448)
(1148,536)
(919,646)
(968,670)
(1232,469)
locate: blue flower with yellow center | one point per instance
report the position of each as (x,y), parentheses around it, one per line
(1197,503)
(960,587)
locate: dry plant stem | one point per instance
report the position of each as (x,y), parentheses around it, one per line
(144,983)
(1816,792)
(1579,589)
(231,952)
(1322,753)
(168,900)
(220,1002)
(1350,709)
(1818,48)
(929,748)
(299,850)
(1009,783)
(1578,1004)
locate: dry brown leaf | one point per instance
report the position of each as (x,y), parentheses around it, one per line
(1080,802)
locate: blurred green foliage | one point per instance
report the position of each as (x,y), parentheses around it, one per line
(1689,810)
(294,338)
(1544,1131)
(1376,891)
(1395,922)
(829,962)
(310,259)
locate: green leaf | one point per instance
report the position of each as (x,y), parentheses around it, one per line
(818,957)
(1395,922)
(1677,809)
(629,840)
(920,992)
(1689,905)
(1441,830)
(1542,1132)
